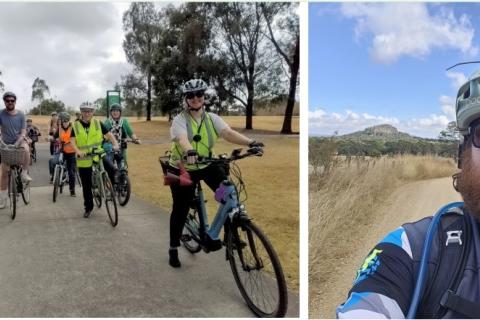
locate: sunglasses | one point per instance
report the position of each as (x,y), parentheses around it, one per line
(198,94)
(9,100)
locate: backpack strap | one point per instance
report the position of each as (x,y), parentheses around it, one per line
(452,301)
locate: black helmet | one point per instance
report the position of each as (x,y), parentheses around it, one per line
(9,94)
(64,116)
(115,106)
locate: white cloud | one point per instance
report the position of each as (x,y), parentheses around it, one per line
(75,47)
(409,29)
(458,79)
(322,122)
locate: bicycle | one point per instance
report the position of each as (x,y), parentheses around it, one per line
(102,187)
(13,156)
(60,176)
(123,187)
(254,263)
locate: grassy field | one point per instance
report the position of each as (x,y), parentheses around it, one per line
(272,181)
(342,207)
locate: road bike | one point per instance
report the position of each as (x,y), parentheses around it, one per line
(254,263)
(13,157)
(102,187)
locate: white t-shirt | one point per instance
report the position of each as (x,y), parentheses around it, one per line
(179,125)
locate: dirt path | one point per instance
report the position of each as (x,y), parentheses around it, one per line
(408,203)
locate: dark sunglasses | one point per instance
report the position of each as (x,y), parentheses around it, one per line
(474,133)
(9,100)
(198,94)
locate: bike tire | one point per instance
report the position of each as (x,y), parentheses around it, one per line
(253,260)
(26,192)
(97,197)
(63,178)
(56,182)
(12,193)
(110,200)
(188,238)
(123,189)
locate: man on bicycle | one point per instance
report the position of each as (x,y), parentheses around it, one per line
(32,133)
(386,284)
(194,133)
(13,129)
(63,136)
(88,133)
(121,130)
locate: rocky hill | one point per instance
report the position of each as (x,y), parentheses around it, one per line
(383,132)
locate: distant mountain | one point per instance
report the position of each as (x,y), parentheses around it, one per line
(383,132)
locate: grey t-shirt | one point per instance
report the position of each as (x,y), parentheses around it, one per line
(11,125)
(179,125)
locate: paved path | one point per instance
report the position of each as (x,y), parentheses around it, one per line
(55,263)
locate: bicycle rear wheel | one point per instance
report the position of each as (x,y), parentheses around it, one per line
(110,201)
(187,238)
(123,189)
(257,270)
(12,193)
(56,181)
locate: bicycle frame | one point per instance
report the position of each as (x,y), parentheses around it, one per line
(97,170)
(62,171)
(228,208)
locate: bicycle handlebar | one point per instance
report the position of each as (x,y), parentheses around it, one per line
(235,155)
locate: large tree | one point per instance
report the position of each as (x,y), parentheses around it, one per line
(287,45)
(241,31)
(39,89)
(184,53)
(142,25)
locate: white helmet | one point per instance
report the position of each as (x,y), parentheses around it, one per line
(194,85)
(467,107)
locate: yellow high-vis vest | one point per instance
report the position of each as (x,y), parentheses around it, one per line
(204,146)
(86,141)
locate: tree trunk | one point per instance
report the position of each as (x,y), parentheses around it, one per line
(149,95)
(287,120)
(248,124)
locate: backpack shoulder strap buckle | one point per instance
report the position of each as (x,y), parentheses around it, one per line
(454,236)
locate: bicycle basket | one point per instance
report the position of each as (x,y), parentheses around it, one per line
(11,155)
(34,138)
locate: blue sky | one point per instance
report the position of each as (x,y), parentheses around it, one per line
(376,63)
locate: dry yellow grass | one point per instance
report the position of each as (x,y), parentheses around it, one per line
(342,206)
(272,184)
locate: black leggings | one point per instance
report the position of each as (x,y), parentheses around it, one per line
(183,196)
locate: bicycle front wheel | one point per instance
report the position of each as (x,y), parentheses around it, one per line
(56,181)
(187,238)
(110,201)
(123,189)
(12,193)
(257,270)
(26,192)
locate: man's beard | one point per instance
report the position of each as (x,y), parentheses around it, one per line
(469,183)
(10,108)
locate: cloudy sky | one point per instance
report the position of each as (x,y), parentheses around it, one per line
(75,47)
(375,63)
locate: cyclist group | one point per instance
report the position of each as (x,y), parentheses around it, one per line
(193,132)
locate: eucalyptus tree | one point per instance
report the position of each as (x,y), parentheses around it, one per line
(287,44)
(39,89)
(142,26)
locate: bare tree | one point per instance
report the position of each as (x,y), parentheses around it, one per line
(289,49)
(39,88)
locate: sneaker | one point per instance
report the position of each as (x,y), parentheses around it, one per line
(72,193)
(173,258)
(26,177)
(214,245)
(87,214)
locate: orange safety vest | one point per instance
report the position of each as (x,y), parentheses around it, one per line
(65,139)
